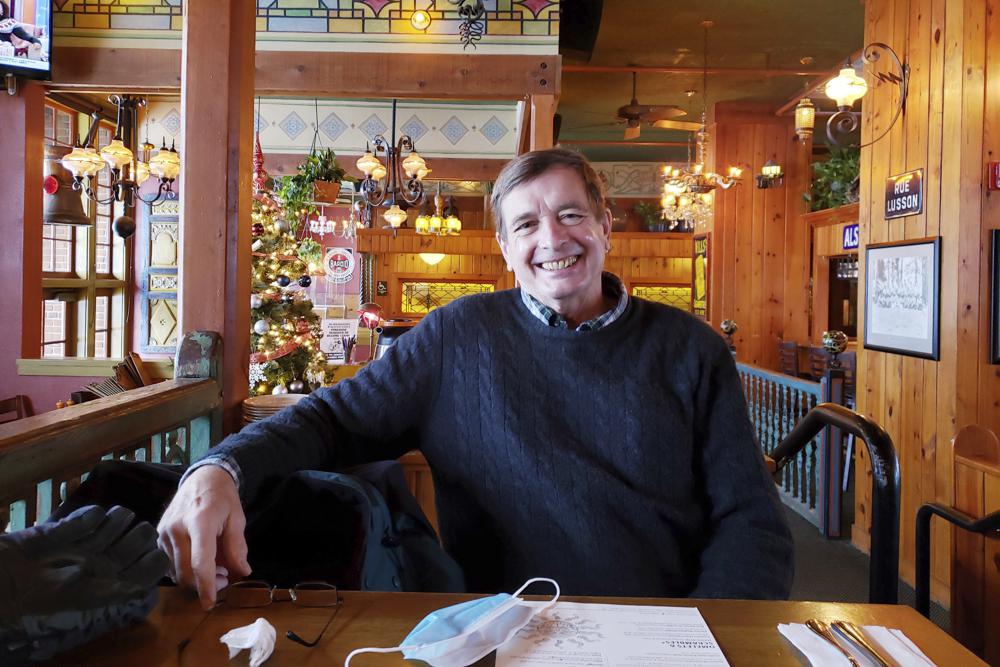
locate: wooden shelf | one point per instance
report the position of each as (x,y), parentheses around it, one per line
(832,216)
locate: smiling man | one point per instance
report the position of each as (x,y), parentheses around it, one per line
(573,432)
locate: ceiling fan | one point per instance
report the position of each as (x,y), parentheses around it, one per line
(634,115)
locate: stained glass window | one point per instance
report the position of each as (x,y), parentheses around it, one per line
(423,297)
(670,295)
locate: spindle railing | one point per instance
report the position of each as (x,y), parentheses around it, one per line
(777,402)
(45,457)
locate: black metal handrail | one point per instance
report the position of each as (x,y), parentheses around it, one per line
(987,524)
(883,576)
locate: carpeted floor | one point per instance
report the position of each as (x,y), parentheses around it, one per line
(835,571)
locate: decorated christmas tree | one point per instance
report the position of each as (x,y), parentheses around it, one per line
(284,337)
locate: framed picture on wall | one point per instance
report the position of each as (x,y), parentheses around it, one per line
(995,296)
(699,277)
(902,290)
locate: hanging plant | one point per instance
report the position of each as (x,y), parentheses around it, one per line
(836,180)
(312,183)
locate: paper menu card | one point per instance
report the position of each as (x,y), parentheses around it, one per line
(607,635)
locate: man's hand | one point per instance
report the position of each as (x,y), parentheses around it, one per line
(202,533)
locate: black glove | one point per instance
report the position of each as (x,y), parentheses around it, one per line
(65,583)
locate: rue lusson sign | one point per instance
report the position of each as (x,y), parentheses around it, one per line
(904,194)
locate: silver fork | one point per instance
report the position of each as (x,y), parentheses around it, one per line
(823,630)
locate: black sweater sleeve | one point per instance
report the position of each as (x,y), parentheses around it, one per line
(373,416)
(748,550)
(19,32)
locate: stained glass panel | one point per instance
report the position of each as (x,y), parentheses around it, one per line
(423,297)
(670,295)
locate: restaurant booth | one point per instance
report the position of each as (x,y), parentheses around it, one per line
(240,93)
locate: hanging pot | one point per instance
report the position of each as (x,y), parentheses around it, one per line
(325,191)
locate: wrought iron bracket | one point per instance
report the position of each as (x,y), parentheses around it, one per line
(846,121)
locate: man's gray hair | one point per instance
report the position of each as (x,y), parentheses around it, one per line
(531,165)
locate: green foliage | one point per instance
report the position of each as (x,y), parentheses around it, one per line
(835,180)
(296,192)
(651,214)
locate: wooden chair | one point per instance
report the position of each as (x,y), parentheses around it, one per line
(975,547)
(788,357)
(17,407)
(818,361)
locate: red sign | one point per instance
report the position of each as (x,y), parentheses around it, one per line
(993,176)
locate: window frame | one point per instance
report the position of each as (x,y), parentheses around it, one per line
(84,279)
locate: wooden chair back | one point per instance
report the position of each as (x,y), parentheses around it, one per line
(14,408)
(975,565)
(818,361)
(788,357)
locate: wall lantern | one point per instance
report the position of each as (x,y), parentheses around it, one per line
(848,87)
(770,176)
(805,118)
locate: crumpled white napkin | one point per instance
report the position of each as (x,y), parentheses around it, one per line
(890,642)
(259,637)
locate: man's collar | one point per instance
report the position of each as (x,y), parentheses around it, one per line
(612,288)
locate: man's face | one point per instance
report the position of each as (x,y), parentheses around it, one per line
(555,244)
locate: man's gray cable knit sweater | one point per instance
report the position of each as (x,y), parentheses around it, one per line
(618,462)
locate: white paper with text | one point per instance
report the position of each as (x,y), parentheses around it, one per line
(608,635)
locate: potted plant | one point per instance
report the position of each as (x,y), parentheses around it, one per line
(318,178)
(836,180)
(652,216)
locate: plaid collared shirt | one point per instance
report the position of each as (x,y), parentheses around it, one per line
(612,288)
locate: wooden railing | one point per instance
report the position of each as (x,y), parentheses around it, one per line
(44,458)
(777,402)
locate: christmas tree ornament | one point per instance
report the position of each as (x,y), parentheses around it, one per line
(260,327)
(257,229)
(256,301)
(287,298)
(302,325)
(262,388)
(257,375)
(279,389)
(297,387)
(282,226)
(305,280)
(283,280)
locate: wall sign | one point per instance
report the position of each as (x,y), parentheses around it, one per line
(852,237)
(699,267)
(993,176)
(904,194)
(381,287)
(339,265)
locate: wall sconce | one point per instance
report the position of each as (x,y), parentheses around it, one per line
(770,176)
(805,118)
(420,20)
(847,87)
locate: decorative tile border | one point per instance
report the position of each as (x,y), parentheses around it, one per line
(509,26)
(459,129)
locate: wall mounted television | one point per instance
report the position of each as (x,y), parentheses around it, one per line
(26,38)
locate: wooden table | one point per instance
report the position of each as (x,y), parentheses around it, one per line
(746,630)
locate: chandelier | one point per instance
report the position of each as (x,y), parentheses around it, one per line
(687,192)
(439,223)
(384,183)
(128,170)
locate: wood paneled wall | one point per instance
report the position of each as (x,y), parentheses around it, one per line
(759,249)
(950,128)
(474,256)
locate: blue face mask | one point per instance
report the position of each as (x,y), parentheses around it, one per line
(460,635)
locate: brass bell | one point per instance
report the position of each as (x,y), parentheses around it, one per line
(62,205)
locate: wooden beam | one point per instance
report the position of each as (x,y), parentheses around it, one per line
(542,109)
(599,142)
(115,70)
(444,168)
(22,148)
(413,75)
(756,72)
(217,126)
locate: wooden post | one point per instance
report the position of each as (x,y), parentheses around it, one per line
(542,109)
(830,457)
(22,147)
(217,70)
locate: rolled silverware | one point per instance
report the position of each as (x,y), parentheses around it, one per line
(823,630)
(854,635)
